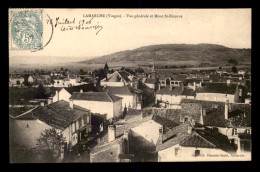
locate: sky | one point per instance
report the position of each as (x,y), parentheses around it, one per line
(228,27)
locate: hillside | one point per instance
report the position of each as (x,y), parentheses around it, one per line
(176,54)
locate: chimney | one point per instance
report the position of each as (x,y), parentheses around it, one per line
(71,104)
(189,129)
(204,111)
(200,84)
(126,141)
(240,92)
(42,103)
(160,139)
(238,146)
(111,133)
(226,109)
(159,87)
(50,101)
(57,93)
(201,118)
(228,81)
(81,90)
(98,140)
(194,86)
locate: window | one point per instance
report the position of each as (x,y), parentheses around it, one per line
(234,132)
(85,118)
(80,122)
(197,153)
(88,119)
(185,119)
(248,131)
(73,127)
(101,127)
(177,151)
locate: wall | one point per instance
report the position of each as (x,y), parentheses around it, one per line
(228,132)
(117,108)
(63,95)
(27,136)
(112,84)
(127,100)
(152,86)
(187,154)
(110,154)
(145,136)
(215,97)
(171,99)
(97,107)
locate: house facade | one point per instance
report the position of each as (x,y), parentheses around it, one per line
(168,97)
(73,122)
(131,97)
(99,102)
(192,145)
(219,92)
(120,79)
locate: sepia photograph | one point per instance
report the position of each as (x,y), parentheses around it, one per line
(129,85)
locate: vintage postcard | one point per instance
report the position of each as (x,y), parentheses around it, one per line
(129,85)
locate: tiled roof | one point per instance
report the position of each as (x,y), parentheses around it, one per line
(16,111)
(201,138)
(125,90)
(188,92)
(119,133)
(26,116)
(150,80)
(180,77)
(59,114)
(217,139)
(222,88)
(191,109)
(239,114)
(173,137)
(125,75)
(84,87)
(165,122)
(95,96)
(166,90)
(192,80)
(195,140)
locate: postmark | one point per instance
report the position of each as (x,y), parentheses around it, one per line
(26,30)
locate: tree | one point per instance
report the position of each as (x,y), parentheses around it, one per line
(52,142)
(61,69)
(52,81)
(234,69)
(106,68)
(122,68)
(232,61)
(40,92)
(81,72)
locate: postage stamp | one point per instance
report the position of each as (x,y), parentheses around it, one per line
(26,30)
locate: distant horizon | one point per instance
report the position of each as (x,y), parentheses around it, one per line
(72,59)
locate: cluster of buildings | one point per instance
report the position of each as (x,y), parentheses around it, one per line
(138,118)
(53,79)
